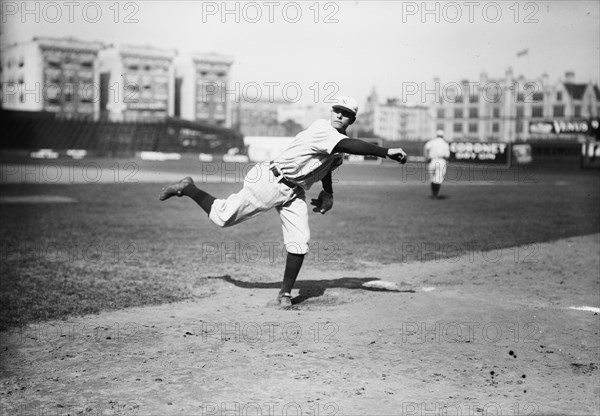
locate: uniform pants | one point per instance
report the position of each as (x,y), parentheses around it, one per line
(261,192)
(437,170)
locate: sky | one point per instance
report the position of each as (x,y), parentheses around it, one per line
(310,51)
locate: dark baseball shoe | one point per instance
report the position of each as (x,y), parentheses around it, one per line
(284,300)
(175,189)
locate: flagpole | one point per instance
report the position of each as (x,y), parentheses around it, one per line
(520,54)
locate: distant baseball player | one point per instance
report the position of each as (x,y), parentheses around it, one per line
(437,151)
(281,184)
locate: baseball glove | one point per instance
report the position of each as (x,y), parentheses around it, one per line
(322,204)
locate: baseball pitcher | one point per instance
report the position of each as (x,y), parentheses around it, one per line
(281,184)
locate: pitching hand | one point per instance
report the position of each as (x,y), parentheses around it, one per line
(398,155)
(324,203)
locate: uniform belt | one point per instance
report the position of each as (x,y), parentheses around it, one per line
(283,179)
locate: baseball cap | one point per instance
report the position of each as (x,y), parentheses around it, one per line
(346,103)
(439,133)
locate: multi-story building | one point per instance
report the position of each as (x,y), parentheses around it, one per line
(202,88)
(304,115)
(58,75)
(260,118)
(137,83)
(394,120)
(503,109)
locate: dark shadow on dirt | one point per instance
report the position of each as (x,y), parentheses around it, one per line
(312,288)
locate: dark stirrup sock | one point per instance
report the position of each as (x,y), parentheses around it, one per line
(292,268)
(435,187)
(202,198)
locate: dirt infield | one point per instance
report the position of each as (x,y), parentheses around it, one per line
(476,335)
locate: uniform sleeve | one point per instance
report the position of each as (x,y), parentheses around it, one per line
(360,147)
(324,136)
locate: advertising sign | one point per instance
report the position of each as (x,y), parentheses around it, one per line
(564,127)
(590,154)
(522,153)
(496,153)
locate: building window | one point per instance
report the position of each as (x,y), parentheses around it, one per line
(520,97)
(439,126)
(577,111)
(537,111)
(86,93)
(519,127)
(440,113)
(459,99)
(520,111)
(131,92)
(473,127)
(495,127)
(473,112)
(496,112)
(558,111)
(458,113)
(474,98)
(492,96)
(538,96)
(52,94)
(559,96)
(457,128)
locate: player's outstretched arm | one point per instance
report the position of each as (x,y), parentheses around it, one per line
(361,147)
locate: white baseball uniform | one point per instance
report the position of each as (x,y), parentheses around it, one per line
(307,160)
(437,150)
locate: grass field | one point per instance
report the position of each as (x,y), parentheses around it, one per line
(487,319)
(117,246)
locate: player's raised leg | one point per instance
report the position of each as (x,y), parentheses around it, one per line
(187,187)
